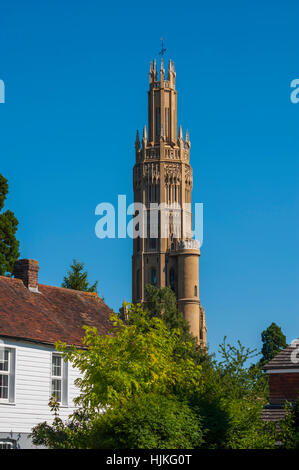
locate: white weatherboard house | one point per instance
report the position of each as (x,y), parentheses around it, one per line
(32,318)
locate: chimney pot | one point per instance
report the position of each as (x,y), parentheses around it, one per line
(27,271)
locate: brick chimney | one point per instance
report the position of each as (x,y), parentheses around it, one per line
(27,271)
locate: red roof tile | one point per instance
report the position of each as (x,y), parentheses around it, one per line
(284,359)
(52,314)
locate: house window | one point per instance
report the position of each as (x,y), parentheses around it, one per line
(7,445)
(7,375)
(59,379)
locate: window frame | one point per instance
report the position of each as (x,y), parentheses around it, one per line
(63,378)
(9,373)
(7,444)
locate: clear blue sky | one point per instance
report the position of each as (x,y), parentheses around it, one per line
(76,76)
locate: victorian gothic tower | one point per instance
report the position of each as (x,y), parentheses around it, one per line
(164,253)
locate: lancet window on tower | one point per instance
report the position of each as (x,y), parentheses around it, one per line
(167,123)
(172,279)
(138,283)
(158,122)
(153,277)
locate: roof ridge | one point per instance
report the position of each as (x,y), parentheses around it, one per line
(66,289)
(8,278)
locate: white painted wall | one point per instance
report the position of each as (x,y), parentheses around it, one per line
(33,388)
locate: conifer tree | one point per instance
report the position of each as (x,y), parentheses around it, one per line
(273,341)
(162,303)
(9,245)
(76,278)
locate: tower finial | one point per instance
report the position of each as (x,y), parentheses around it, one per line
(169,70)
(181,134)
(162,71)
(187,141)
(163,50)
(137,141)
(155,70)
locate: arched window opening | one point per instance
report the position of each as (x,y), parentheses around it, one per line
(172,279)
(138,283)
(154,277)
(153,243)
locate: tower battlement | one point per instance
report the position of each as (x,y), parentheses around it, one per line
(159,80)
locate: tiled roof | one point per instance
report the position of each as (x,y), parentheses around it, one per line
(273,413)
(286,359)
(52,314)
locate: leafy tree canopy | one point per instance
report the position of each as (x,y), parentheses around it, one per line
(162,303)
(133,358)
(124,373)
(289,428)
(151,421)
(231,401)
(142,387)
(9,245)
(273,341)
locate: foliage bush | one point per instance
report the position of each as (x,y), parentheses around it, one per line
(146,384)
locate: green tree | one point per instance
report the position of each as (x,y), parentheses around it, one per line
(162,303)
(136,362)
(231,401)
(151,421)
(141,387)
(288,435)
(76,278)
(134,357)
(273,341)
(9,246)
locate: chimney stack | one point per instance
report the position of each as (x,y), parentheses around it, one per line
(27,271)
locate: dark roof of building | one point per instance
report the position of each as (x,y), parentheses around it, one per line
(52,314)
(286,359)
(273,413)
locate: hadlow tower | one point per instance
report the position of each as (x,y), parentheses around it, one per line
(165,253)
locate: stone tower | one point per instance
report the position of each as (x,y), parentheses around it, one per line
(164,253)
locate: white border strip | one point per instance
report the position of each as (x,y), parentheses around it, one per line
(282,371)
